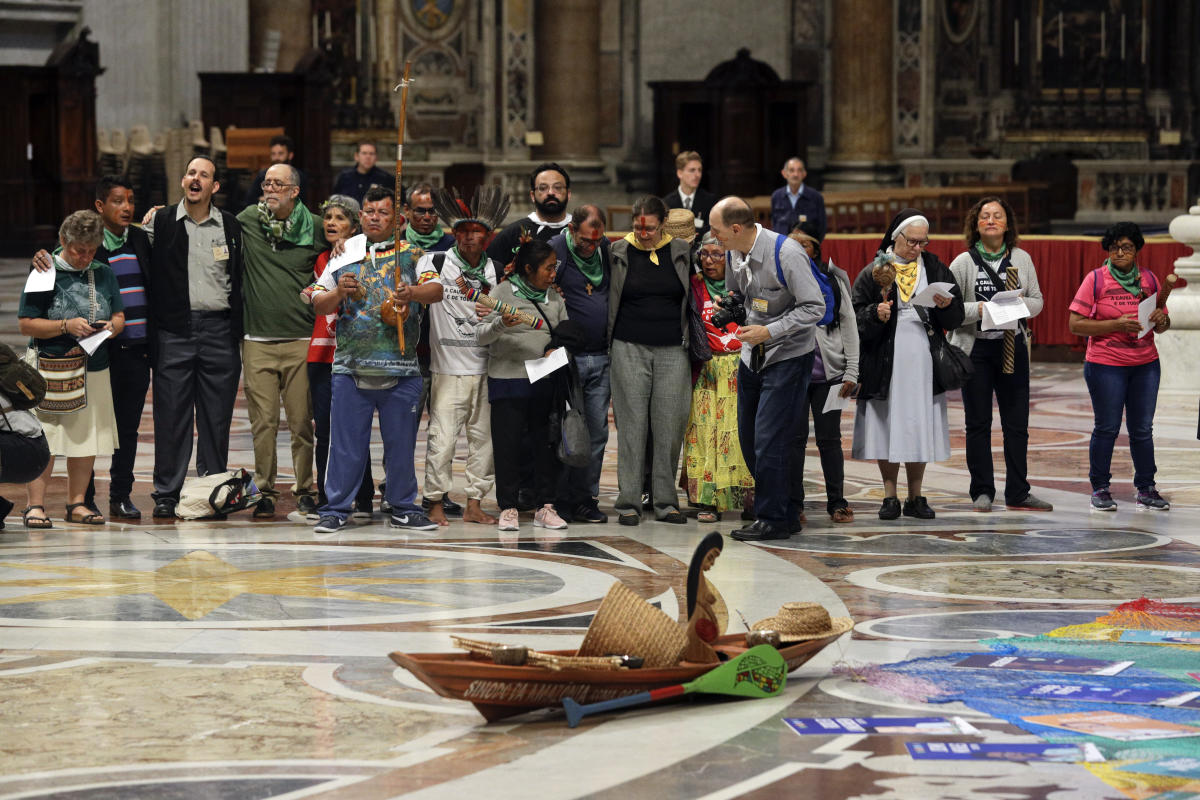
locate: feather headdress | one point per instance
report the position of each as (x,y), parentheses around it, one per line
(488,207)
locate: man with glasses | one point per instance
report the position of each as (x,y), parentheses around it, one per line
(550,191)
(282,244)
(282,151)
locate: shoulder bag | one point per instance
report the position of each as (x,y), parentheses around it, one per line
(952,368)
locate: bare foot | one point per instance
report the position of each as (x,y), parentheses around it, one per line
(475,513)
(438,514)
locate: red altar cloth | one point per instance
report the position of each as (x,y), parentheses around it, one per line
(1061,261)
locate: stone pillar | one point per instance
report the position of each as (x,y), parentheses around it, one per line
(1179,348)
(567,53)
(293,20)
(861,147)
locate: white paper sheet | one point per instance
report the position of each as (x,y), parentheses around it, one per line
(1003,311)
(835,401)
(538,368)
(356,250)
(90,343)
(1145,309)
(925,296)
(39,281)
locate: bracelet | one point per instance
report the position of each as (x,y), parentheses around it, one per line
(63,328)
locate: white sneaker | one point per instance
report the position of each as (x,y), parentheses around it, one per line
(509,520)
(547,517)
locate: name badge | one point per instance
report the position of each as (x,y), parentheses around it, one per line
(759,304)
(220,252)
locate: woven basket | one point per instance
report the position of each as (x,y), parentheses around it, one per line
(625,624)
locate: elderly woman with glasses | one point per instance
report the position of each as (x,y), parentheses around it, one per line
(1121,364)
(77,414)
(647,331)
(717,476)
(901,413)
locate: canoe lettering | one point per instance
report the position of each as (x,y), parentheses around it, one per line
(533,693)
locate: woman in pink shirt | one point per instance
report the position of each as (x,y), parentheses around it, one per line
(1120,367)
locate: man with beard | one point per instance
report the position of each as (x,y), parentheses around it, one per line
(459,387)
(550,191)
(196,274)
(583,278)
(371,372)
(282,151)
(282,246)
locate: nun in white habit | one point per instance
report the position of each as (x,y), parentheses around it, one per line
(901,415)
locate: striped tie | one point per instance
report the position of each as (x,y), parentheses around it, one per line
(1010,337)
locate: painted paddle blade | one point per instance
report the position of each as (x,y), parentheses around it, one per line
(759,672)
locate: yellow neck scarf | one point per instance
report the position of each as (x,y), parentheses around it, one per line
(906,278)
(632,239)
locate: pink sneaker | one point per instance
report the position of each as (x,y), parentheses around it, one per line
(509,520)
(547,517)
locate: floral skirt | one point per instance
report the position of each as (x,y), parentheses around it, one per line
(717,474)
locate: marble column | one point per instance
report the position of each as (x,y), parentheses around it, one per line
(1179,348)
(567,69)
(861,147)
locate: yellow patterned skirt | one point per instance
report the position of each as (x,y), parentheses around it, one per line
(716,473)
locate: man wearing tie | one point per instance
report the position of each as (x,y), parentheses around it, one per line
(689,169)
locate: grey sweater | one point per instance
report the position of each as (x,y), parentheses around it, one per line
(509,348)
(839,346)
(964,270)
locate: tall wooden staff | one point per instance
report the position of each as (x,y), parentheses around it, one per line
(401,315)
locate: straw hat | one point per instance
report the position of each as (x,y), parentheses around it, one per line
(800,622)
(625,624)
(681,224)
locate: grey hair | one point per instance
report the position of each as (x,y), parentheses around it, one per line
(710,239)
(82,227)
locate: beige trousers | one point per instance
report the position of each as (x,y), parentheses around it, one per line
(457,402)
(272,371)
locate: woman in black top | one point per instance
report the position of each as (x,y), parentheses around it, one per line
(651,374)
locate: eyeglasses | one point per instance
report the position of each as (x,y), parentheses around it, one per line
(1122,249)
(274,184)
(424,212)
(707,256)
(916,242)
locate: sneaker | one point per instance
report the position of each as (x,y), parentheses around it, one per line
(307,505)
(589,512)
(1102,501)
(264,509)
(1151,500)
(412,521)
(1030,503)
(918,507)
(330,524)
(983,503)
(547,517)
(509,520)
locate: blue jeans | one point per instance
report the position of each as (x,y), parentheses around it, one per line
(770,406)
(581,484)
(353,409)
(1133,390)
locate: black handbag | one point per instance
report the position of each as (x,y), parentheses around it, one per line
(574,439)
(952,368)
(699,348)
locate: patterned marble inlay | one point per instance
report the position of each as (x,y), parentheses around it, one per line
(970,626)
(977,543)
(1045,581)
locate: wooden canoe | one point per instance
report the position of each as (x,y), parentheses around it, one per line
(498,691)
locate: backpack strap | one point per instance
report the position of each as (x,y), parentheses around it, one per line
(439,259)
(778,266)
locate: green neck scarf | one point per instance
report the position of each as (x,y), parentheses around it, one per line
(592,268)
(297,229)
(715,288)
(988,254)
(61,265)
(423,240)
(479,273)
(525,290)
(112,242)
(1130,281)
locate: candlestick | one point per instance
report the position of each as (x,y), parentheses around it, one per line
(1102,42)
(1122,37)
(1061,34)
(1016,42)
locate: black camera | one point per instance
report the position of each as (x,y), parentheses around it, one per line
(729,309)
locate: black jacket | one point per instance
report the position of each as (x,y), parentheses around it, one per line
(702,204)
(877,340)
(171,309)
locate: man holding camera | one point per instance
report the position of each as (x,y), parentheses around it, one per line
(771,278)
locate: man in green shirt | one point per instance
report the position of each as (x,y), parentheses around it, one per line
(281,247)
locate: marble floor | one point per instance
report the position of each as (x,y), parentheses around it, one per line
(249,659)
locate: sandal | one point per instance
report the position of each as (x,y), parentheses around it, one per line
(842,514)
(709,515)
(40,523)
(90,518)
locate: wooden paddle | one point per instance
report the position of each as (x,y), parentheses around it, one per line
(759,672)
